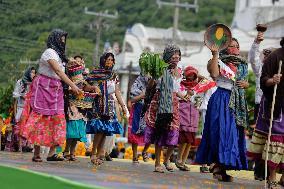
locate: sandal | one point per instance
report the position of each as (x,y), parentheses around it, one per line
(204,170)
(72,157)
(96,161)
(135,160)
(211,167)
(281,182)
(273,185)
(145,156)
(179,165)
(223,177)
(168,167)
(184,168)
(66,156)
(37,159)
(159,169)
(54,157)
(108,158)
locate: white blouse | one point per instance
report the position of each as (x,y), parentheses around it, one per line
(226,77)
(44,66)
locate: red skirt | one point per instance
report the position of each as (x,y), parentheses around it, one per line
(186,137)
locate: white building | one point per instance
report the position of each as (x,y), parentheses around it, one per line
(194,53)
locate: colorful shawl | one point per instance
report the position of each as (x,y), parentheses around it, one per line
(165,110)
(238,101)
(101,76)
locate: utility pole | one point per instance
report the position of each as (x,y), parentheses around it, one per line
(177,5)
(99,24)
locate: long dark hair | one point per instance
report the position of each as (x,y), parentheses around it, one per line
(103,59)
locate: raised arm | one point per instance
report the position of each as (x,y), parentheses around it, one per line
(212,65)
(254,55)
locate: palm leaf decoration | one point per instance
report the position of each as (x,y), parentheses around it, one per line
(151,64)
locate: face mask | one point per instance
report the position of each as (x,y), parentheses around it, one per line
(233,51)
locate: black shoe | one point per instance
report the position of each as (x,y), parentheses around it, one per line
(55,157)
(108,158)
(88,153)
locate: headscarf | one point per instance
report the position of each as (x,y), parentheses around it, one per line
(187,72)
(26,79)
(169,51)
(238,101)
(102,75)
(54,42)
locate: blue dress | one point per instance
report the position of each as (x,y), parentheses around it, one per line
(222,142)
(108,126)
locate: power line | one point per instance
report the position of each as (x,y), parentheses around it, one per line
(177,5)
(99,23)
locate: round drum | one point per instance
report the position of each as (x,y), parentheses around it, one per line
(218,34)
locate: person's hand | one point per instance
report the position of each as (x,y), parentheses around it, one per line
(186,97)
(214,49)
(259,37)
(97,90)
(75,90)
(276,78)
(242,84)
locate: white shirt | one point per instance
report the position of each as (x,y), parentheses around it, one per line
(111,86)
(206,98)
(226,77)
(256,64)
(44,66)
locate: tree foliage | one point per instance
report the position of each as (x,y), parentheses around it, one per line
(250,94)
(25,24)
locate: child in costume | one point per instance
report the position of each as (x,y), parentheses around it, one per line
(76,121)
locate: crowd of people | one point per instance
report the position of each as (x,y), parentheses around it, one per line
(61,102)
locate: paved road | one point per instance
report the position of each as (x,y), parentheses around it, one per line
(122,174)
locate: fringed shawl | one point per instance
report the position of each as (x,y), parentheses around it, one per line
(238,101)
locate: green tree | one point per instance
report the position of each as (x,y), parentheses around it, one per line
(250,94)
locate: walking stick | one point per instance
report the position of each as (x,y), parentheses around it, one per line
(270,124)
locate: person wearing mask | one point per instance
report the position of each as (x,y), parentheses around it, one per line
(223,140)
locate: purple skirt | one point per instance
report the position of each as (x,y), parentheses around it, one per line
(189,117)
(169,138)
(262,124)
(47,96)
